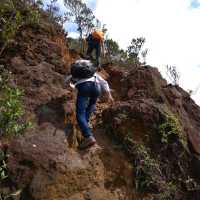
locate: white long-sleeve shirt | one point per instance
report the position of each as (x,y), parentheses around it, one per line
(99,80)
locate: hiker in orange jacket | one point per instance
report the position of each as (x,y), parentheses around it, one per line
(95,41)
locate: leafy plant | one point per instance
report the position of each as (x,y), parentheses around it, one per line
(33,17)
(11,110)
(13,16)
(135,49)
(112,47)
(147,169)
(170,129)
(11,20)
(169,193)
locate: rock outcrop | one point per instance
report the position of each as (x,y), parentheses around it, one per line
(163,120)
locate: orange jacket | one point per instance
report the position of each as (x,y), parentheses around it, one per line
(98,35)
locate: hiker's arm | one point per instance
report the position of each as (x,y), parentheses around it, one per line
(106,88)
(68,78)
(110,97)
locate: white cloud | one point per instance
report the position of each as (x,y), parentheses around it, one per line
(171,29)
(73,34)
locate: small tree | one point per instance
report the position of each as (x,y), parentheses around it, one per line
(52,9)
(173,74)
(112,47)
(81,15)
(135,48)
(54,13)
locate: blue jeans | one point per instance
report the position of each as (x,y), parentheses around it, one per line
(88,93)
(94,45)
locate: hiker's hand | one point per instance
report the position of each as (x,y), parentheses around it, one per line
(111,99)
(67,79)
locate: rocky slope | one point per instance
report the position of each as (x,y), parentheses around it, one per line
(149,136)
(158,126)
(45,163)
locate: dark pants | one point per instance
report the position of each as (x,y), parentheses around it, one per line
(94,45)
(87,96)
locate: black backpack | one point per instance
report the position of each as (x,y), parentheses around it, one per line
(82,69)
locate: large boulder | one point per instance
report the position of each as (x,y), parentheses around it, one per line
(41,165)
(41,83)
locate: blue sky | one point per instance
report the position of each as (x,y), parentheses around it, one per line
(92,4)
(195,4)
(71,27)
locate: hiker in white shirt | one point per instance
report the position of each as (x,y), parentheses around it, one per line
(89,89)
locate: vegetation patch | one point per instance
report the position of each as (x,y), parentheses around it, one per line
(11,110)
(14,15)
(170,130)
(147,170)
(3,167)
(169,192)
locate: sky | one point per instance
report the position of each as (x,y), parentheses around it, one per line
(171,29)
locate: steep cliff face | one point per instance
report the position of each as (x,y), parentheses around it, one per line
(146,84)
(158,126)
(149,137)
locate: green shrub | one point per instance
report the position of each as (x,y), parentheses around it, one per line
(169,193)
(11,110)
(147,170)
(171,129)
(11,21)
(12,17)
(74,44)
(33,17)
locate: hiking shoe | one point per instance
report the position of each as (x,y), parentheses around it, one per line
(87,142)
